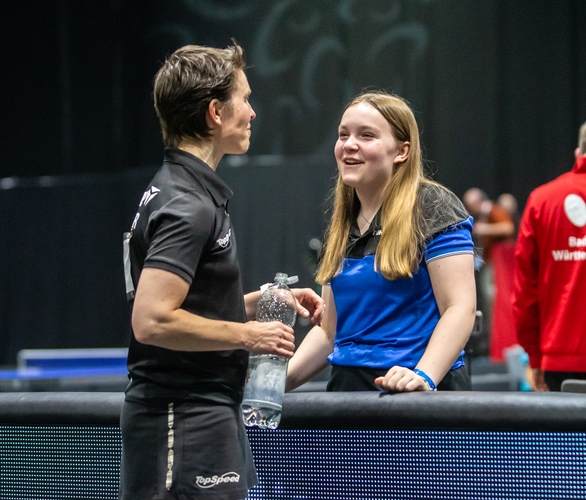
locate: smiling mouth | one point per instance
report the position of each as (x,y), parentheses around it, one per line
(352,162)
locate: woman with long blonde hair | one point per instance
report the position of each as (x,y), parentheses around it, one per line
(397,265)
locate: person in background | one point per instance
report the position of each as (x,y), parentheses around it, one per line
(502,334)
(550,277)
(492,222)
(509,203)
(192,329)
(494,233)
(397,268)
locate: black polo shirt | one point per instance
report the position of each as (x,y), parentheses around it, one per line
(182,226)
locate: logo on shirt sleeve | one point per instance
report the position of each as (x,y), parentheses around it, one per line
(148,195)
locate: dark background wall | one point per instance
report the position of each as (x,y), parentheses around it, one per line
(498,88)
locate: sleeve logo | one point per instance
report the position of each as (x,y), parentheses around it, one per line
(148,195)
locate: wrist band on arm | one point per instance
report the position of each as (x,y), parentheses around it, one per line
(425,377)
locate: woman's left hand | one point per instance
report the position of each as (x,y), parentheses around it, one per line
(401,379)
(309,304)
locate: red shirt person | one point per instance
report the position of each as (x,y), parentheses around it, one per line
(550,277)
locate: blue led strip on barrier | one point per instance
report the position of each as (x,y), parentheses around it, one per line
(59,463)
(420,464)
(48,463)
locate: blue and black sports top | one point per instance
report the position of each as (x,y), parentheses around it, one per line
(383,323)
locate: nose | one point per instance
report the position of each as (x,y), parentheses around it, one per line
(350,143)
(252,113)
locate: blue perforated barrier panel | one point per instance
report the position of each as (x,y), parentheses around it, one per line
(83,463)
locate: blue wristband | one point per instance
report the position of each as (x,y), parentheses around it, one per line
(425,377)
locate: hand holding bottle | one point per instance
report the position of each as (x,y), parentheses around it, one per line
(265,379)
(271,338)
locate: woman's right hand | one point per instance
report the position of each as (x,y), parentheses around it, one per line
(401,379)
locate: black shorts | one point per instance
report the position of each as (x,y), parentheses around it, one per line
(554,380)
(350,378)
(184,451)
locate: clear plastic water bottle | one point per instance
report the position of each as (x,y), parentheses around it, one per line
(265,379)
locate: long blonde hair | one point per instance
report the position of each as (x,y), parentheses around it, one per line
(399,250)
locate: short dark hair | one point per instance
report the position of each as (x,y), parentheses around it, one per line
(187,82)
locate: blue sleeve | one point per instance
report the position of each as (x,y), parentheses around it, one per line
(454,240)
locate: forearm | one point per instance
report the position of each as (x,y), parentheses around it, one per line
(183,331)
(447,341)
(526,310)
(309,304)
(159,319)
(250,303)
(526,319)
(309,359)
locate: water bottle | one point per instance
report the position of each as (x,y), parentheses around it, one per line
(266,375)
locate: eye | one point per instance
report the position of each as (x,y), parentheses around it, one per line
(342,135)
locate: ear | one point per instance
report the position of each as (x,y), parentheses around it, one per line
(577,153)
(214,114)
(403,153)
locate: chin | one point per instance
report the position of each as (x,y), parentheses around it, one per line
(349,180)
(240,149)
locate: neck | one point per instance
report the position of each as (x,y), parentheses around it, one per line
(369,205)
(203,149)
(580,164)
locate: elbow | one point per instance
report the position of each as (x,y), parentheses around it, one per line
(472,316)
(146,330)
(464,319)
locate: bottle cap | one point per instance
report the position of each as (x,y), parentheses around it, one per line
(284,278)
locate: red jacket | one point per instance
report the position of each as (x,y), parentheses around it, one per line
(549,301)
